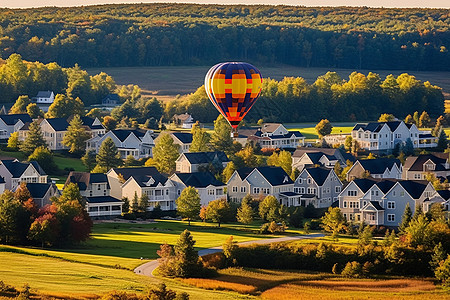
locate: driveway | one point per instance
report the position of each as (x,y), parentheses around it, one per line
(148,268)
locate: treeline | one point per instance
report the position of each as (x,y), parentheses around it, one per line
(191,34)
(360,97)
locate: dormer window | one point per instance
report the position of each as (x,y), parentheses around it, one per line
(286,179)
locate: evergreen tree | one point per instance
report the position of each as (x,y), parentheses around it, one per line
(245,213)
(108,157)
(13,141)
(143,203)
(187,260)
(76,135)
(188,204)
(89,160)
(71,192)
(200,139)
(165,154)
(221,139)
(406,218)
(438,255)
(134,205)
(228,171)
(33,140)
(442,143)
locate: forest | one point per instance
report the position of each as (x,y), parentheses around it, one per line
(191,34)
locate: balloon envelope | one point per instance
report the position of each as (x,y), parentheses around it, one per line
(233,88)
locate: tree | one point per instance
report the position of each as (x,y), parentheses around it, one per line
(71,192)
(34,111)
(246,157)
(187,260)
(333,221)
(165,154)
(44,157)
(365,235)
(76,135)
(134,205)
(20,106)
(110,123)
(418,232)
(409,119)
(408,148)
(282,159)
(130,161)
(13,223)
(416,118)
(442,272)
(229,249)
(89,160)
(438,256)
(200,139)
(269,209)
(228,171)
(323,128)
(33,140)
(386,118)
(348,143)
(44,230)
(406,218)
(13,141)
(371,156)
(245,213)
(22,193)
(442,143)
(218,211)
(108,157)
(439,124)
(221,139)
(188,204)
(143,203)
(355,147)
(64,106)
(424,120)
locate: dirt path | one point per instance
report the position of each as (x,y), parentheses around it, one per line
(148,268)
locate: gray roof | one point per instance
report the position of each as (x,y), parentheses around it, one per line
(102,199)
(184,137)
(142,175)
(206,157)
(415,163)
(379,165)
(17,168)
(58,124)
(44,94)
(376,126)
(319,174)
(274,175)
(199,179)
(83,179)
(14,118)
(122,134)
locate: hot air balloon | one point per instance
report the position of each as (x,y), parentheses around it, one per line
(233,88)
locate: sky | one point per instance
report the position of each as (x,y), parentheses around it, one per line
(371,3)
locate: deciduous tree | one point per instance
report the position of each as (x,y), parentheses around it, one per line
(76,136)
(188,204)
(323,128)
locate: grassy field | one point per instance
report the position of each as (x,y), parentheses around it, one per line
(167,82)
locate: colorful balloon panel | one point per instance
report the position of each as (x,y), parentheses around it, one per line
(233,88)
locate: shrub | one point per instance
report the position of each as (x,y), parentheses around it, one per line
(367,268)
(352,270)
(315,224)
(275,228)
(442,272)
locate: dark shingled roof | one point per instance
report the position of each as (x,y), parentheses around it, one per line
(184,137)
(102,199)
(386,184)
(290,194)
(142,175)
(415,163)
(377,205)
(414,187)
(206,157)
(44,94)
(376,126)
(275,175)
(122,134)
(319,174)
(17,168)
(58,124)
(38,190)
(199,179)
(87,121)
(444,194)
(365,183)
(13,119)
(83,179)
(379,165)
(337,153)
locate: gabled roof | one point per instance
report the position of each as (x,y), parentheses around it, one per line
(87,121)
(58,124)
(328,151)
(113,97)
(270,127)
(83,179)
(377,205)
(102,199)
(364,184)
(142,175)
(38,190)
(184,137)
(182,117)
(44,94)
(319,174)
(287,135)
(122,134)
(379,165)
(386,184)
(415,163)
(14,118)
(414,187)
(445,194)
(247,132)
(198,179)
(377,126)
(206,157)
(274,175)
(17,168)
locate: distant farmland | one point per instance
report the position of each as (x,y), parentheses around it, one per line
(167,82)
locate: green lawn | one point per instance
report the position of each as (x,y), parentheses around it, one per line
(310,133)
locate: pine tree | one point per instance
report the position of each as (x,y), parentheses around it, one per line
(200,139)
(188,204)
(442,143)
(13,141)
(245,213)
(228,171)
(76,136)
(134,205)
(143,203)
(33,140)
(406,218)
(108,157)
(187,262)
(165,154)
(89,160)
(221,139)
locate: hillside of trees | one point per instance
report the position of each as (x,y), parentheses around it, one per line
(191,34)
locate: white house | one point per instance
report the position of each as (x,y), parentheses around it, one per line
(103,207)
(184,120)
(14,172)
(376,168)
(208,187)
(194,161)
(135,142)
(111,100)
(44,97)
(271,135)
(12,123)
(183,139)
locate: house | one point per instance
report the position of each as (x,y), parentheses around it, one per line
(90,184)
(12,123)
(323,183)
(208,187)
(184,120)
(383,201)
(44,97)
(53,131)
(136,142)
(128,182)
(100,207)
(42,193)
(325,157)
(417,167)
(94,126)
(183,139)
(14,172)
(271,135)
(111,100)
(383,136)
(376,168)
(199,161)
(259,182)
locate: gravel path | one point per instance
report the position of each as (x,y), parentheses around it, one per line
(148,268)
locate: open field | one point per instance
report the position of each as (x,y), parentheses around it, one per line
(167,82)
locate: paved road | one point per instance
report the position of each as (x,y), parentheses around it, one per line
(148,268)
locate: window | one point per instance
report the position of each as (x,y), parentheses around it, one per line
(300,180)
(95,208)
(337,189)
(311,191)
(391,218)
(309,180)
(402,193)
(345,204)
(243,189)
(391,205)
(179,192)
(98,187)
(115,207)
(256,190)
(234,189)
(351,193)
(210,192)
